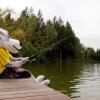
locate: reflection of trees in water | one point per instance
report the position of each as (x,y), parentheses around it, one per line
(73,79)
(91,71)
(64,76)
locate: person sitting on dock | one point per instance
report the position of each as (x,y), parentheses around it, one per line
(10,67)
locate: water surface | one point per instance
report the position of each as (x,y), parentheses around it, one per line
(78,80)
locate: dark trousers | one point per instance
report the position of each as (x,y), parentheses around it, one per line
(12,72)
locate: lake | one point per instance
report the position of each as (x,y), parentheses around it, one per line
(80,81)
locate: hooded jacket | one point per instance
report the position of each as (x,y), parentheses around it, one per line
(5,58)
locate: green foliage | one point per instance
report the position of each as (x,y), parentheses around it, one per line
(28,49)
(19,34)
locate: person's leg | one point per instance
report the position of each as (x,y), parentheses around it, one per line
(22,73)
(7,74)
(11,73)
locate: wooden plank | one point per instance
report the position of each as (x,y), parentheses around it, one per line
(23,92)
(28,94)
(21,89)
(17,80)
(20,85)
(27,89)
(45,97)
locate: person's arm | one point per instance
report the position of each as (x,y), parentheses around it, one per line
(20,59)
(18,62)
(15,64)
(17,59)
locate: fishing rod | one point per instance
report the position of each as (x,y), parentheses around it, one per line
(49,48)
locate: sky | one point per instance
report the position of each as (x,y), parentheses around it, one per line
(83,15)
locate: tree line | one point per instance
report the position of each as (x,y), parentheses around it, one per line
(36,34)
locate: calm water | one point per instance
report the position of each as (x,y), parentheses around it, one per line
(77,80)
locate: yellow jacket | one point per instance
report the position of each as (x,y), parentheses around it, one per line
(5,58)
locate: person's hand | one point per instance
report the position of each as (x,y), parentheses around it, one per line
(25,60)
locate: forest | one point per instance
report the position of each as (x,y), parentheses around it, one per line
(37,34)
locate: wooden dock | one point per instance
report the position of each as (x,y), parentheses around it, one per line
(27,89)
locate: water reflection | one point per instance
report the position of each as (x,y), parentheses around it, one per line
(90,87)
(77,80)
(66,77)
